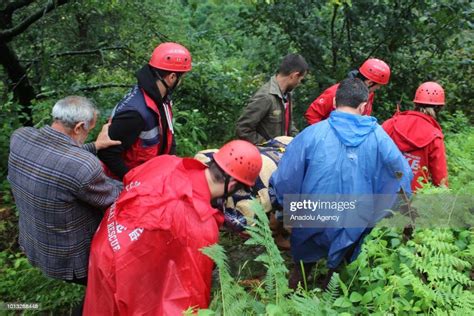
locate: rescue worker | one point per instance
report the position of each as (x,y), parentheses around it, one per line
(419,136)
(142,120)
(346,156)
(373,72)
(271,153)
(145,257)
(239,206)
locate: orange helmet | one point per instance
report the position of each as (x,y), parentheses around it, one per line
(376,70)
(429,93)
(240,160)
(171,57)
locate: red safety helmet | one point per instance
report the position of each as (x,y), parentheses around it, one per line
(376,70)
(240,160)
(429,93)
(171,57)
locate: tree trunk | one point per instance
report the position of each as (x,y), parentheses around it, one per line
(19,83)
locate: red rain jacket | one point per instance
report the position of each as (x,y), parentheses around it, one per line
(323,105)
(420,139)
(145,257)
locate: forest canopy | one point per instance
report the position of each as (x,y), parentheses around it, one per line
(50,49)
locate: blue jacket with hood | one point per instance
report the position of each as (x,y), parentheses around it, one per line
(347,154)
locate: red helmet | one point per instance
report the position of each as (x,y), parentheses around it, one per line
(171,57)
(376,70)
(240,160)
(429,93)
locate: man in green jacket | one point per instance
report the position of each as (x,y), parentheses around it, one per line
(269,112)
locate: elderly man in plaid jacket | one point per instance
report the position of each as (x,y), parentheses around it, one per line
(60,189)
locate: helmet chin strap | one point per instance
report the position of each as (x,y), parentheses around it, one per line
(226,192)
(169,90)
(372,84)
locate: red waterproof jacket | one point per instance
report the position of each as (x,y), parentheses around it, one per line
(145,257)
(420,139)
(323,105)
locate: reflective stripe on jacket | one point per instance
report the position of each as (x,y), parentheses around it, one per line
(149,143)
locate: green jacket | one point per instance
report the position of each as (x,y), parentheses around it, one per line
(264,116)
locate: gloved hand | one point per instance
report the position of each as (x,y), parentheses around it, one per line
(234,220)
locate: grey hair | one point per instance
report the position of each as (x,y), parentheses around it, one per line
(74,109)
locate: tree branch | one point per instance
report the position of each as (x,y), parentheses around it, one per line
(81,52)
(349,36)
(103,86)
(88,51)
(403,13)
(13,6)
(85,88)
(8,34)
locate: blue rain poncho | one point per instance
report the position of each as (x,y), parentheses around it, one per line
(346,154)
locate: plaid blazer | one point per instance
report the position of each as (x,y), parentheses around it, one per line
(60,191)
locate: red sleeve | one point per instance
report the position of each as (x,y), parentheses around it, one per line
(321,107)
(369,106)
(437,162)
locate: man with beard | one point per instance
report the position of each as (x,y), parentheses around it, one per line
(269,112)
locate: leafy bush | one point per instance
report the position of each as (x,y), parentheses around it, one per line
(460,153)
(22,283)
(270,296)
(428,274)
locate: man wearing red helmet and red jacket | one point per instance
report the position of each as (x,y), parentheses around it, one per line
(145,257)
(419,136)
(142,120)
(373,72)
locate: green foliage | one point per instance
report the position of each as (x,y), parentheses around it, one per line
(275,281)
(9,121)
(22,283)
(272,296)
(455,123)
(427,274)
(431,272)
(87,48)
(420,40)
(93,48)
(232,298)
(189,125)
(460,153)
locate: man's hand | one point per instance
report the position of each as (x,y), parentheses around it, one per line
(103,140)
